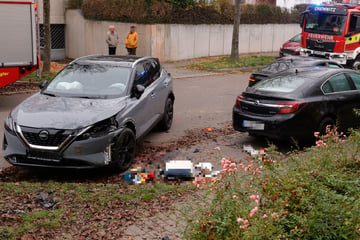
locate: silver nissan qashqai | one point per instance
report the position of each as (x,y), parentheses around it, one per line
(90,114)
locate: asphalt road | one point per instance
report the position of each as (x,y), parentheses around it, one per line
(200,102)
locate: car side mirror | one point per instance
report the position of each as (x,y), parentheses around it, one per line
(43,84)
(139,90)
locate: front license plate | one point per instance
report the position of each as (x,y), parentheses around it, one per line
(44,156)
(253,125)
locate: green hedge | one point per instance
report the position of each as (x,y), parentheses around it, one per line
(183,12)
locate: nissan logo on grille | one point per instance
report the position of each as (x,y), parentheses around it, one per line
(44,135)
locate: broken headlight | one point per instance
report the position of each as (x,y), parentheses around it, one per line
(10,124)
(99,129)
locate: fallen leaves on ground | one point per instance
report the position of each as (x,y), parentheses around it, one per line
(90,220)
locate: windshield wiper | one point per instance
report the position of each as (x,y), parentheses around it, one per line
(49,94)
(86,97)
(90,97)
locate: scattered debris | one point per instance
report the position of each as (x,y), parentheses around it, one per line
(209,129)
(213,174)
(138,176)
(179,169)
(218,148)
(196,150)
(253,152)
(205,169)
(204,165)
(5,211)
(45,201)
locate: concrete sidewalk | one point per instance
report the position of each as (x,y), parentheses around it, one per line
(178,70)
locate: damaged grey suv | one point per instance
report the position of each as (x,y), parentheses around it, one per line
(91,114)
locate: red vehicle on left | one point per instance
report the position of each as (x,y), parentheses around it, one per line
(291,47)
(19,41)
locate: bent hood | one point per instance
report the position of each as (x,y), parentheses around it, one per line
(41,111)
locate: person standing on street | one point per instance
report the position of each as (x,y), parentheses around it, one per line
(131,41)
(112,40)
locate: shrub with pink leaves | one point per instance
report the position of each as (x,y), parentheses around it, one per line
(312,194)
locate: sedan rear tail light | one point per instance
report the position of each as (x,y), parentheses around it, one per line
(238,100)
(290,107)
(252,79)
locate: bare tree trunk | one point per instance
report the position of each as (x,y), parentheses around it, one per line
(235,37)
(47,36)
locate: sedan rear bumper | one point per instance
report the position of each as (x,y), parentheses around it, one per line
(278,126)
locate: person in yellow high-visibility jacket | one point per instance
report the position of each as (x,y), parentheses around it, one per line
(132,41)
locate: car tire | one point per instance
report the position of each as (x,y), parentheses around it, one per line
(123,150)
(356,64)
(324,123)
(166,121)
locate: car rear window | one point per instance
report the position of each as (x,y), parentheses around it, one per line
(283,84)
(276,67)
(334,65)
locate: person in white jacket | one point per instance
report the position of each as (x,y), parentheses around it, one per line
(112,40)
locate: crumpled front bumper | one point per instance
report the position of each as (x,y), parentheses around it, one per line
(83,154)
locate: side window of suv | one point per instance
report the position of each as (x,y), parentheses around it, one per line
(142,74)
(154,69)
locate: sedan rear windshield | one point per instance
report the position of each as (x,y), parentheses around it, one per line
(283,84)
(90,81)
(277,66)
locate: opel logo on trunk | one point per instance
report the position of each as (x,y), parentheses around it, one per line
(44,135)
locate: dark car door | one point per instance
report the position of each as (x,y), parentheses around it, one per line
(341,95)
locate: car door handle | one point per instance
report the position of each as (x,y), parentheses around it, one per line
(152,94)
(166,83)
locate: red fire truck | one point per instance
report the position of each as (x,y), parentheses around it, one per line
(19,45)
(332,31)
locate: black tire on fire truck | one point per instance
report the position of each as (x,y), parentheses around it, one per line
(356,64)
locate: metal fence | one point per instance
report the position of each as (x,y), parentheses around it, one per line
(57,40)
(57,36)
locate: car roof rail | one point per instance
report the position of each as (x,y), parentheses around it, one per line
(136,60)
(85,57)
(141,59)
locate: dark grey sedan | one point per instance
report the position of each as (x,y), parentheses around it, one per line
(91,114)
(297,103)
(290,62)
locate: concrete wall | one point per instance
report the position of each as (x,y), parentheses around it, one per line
(57,11)
(172,42)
